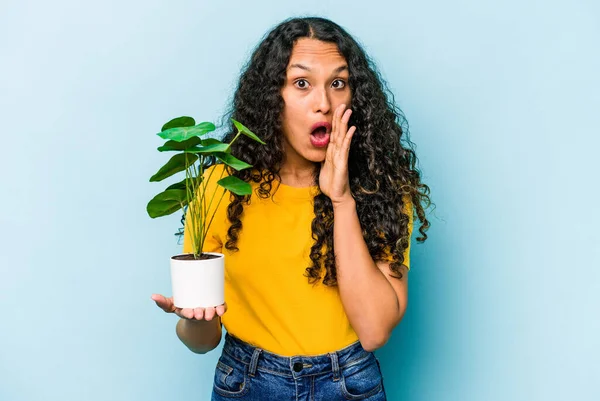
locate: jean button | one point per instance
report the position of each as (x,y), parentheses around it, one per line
(297,366)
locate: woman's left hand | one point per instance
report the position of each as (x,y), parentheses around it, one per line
(333,179)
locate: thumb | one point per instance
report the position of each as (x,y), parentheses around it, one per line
(165,304)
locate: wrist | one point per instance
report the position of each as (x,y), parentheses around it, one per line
(348,203)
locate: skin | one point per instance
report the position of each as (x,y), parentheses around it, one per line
(374,301)
(310,96)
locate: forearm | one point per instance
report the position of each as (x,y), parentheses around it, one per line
(369,299)
(199,336)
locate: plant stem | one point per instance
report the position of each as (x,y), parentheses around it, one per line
(211,200)
(233,140)
(202,207)
(189,196)
(199,228)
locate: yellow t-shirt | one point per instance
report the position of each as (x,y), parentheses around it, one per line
(270,302)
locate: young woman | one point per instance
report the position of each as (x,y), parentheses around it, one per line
(317,257)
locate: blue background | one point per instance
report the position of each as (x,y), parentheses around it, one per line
(502,100)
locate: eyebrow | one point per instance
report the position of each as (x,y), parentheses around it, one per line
(303,67)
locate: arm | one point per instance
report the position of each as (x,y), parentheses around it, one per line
(201,332)
(374,302)
(200,336)
(199,329)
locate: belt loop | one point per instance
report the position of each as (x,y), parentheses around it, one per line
(254,362)
(335,366)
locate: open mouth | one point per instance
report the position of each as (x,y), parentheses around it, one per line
(320,132)
(320,136)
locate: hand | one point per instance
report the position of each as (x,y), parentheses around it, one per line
(333,178)
(196,314)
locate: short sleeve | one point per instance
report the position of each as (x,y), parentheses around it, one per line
(212,241)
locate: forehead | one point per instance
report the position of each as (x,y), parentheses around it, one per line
(312,51)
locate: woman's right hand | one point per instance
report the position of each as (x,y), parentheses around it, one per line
(199,314)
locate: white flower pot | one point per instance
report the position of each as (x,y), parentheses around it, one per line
(198,283)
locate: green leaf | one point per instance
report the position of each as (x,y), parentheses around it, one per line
(235,185)
(210,141)
(166,203)
(232,161)
(182,184)
(180,134)
(175,165)
(246,131)
(217,147)
(174,145)
(179,122)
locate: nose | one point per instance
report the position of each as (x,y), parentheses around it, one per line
(322,103)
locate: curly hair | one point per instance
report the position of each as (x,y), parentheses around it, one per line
(381,165)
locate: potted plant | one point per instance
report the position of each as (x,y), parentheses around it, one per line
(197,278)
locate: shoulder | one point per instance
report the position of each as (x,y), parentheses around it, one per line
(214,173)
(215,168)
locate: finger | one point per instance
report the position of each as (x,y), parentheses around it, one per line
(346,117)
(339,132)
(343,128)
(335,124)
(209,313)
(186,313)
(348,139)
(221,309)
(198,313)
(329,151)
(165,304)
(332,134)
(159,299)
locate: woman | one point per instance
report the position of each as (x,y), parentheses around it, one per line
(303,322)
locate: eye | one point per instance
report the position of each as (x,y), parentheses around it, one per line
(302,86)
(343,84)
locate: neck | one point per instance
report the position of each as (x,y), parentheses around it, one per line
(297,176)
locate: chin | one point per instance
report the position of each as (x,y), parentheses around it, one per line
(316,156)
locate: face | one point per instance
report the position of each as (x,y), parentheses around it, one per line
(316,84)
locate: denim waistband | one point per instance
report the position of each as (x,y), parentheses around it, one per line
(294,366)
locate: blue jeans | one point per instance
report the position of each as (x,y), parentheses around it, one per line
(247,373)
